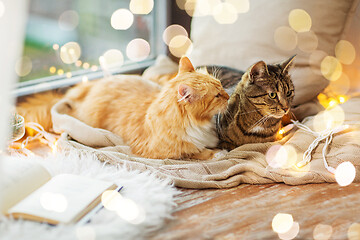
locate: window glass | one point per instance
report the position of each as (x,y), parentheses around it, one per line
(64,37)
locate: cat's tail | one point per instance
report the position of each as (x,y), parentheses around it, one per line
(36,108)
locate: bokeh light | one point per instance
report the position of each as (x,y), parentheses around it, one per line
(345,173)
(55,46)
(322,232)
(55,202)
(353,232)
(172,31)
(122,19)
(141,6)
(138,49)
(292,233)
(345,52)
(68,20)
(225,13)
(279,156)
(331,118)
(181,4)
(86,65)
(112,58)
(331,68)
(307,41)
(60,72)
(78,63)
(126,208)
(300,20)
(315,60)
(130,211)
(282,222)
(285,38)
(70,52)
(52,69)
(68,74)
(85,233)
(85,79)
(341,86)
(2,9)
(205,7)
(241,6)
(180,45)
(190,6)
(23,66)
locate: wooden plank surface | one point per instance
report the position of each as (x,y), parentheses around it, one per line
(247,211)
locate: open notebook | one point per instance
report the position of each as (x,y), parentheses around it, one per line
(29,192)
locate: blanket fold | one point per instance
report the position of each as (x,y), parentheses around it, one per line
(257,163)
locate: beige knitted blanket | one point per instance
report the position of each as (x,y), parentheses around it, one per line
(250,163)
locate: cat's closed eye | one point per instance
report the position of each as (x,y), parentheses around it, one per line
(218,95)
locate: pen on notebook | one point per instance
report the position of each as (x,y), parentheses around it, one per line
(96,209)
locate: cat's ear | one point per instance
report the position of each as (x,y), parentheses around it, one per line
(185,65)
(287,64)
(258,70)
(186,93)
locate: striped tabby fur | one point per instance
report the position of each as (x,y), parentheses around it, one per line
(260,97)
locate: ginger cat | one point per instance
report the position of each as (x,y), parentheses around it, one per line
(169,122)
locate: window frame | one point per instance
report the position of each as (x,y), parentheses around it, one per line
(161,20)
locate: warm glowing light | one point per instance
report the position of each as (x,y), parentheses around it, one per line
(112,58)
(85,79)
(94,68)
(300,20)
(322,232)
(55,46)
(2,9)
(353,232)
(86,65)
(225,13)
(282,222)
(130,211)
(53,202)
(180,46)
(329,119)
(122,19)
(68,20)
(52,69)
(332,103)
(307,41)
(345,173)
(68,74)
(60,72)
(331,68)
(241,6)
(181,4)
(54,148)
(172,31)
(78,63)
(85,233)
(342,99)
(190,7)
(70,52)
(281,131)
(141,6)
(345,52)
(340,86)
(279,156)
(285,38)
(23,66)
(315,60)
(110,199)
(292,233)
(138,49)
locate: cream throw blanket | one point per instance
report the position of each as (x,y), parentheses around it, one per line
(246,164)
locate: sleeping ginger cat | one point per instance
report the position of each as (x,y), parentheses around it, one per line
(169,122)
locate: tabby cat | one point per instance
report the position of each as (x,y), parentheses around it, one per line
(174,121)
(260,97)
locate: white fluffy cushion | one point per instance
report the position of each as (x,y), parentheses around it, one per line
(251,38)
